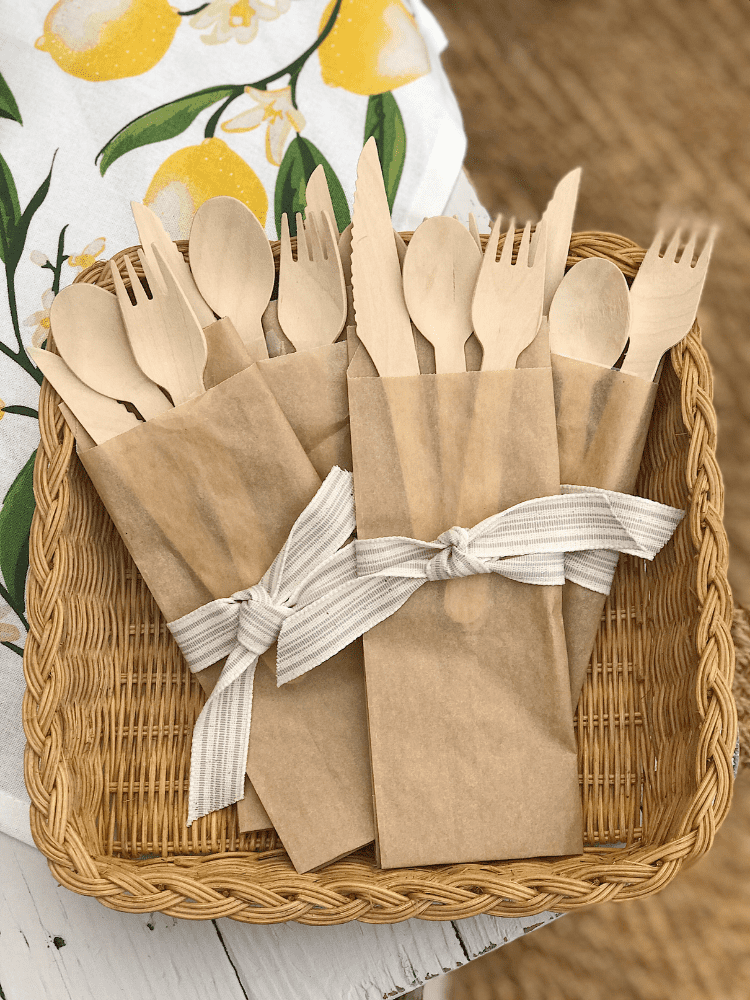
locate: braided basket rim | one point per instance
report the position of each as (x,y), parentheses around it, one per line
(263,888)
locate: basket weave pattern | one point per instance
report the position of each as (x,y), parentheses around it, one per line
(110,706)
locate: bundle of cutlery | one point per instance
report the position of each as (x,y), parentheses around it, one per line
(464,378)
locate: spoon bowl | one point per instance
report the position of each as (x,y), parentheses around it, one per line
(440,271)
(232,264)
(590,313)
(90,334)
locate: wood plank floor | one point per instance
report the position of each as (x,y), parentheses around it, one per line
(56,945)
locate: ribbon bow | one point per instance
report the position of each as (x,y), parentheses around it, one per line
(301,579)
(318,597)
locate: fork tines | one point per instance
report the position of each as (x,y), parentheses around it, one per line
(671,231)
(315,240)
(506,255)
(312,295)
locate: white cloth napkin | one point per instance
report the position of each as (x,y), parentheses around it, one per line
(170,57)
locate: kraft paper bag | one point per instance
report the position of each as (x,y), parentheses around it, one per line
(310,387)
(322,715)
(204,497)
(226,353)
(468,697)
(311,391)
(603,418)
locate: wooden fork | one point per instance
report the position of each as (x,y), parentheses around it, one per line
(312,295)
(508,298)
(166,336)
(664,298)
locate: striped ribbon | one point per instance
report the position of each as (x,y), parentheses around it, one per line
(320,594)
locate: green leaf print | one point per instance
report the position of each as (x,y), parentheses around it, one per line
(300,159)
(164,122)
(8,106)
(15,234)
(10,210)
(15,525)
(384,121)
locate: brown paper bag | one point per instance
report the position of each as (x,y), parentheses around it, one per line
(311,391)
(603,418)
(310,388)
(325,803)
(234,451)
(468,698)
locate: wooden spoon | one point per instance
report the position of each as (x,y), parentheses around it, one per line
(440,271)
(590,313)
(232,263)
(89,333)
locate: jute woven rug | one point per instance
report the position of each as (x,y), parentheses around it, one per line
(652,98)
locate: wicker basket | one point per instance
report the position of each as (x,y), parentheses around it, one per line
(110,706)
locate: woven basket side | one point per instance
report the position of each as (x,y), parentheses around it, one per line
(123,704)
(656,730)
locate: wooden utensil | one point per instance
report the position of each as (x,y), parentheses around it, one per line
(440,271)
(508,298)
(383,323)
(345,253)
(233,266)
(590,313)
(102,417)
(84,441)
(150,230)
(664,299)
(90,335)
(558,216)
(474,230)
(312,296)
(318,197)
(164,332)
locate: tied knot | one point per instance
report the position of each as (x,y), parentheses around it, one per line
(454,559)
(260,618)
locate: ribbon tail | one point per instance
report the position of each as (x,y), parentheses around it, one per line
(220,741)
(593,569)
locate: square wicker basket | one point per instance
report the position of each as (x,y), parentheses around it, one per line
(110,705)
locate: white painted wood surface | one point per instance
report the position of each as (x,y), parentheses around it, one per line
(56,945)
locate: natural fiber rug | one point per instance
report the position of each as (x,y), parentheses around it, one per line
(688,943)
(652,98)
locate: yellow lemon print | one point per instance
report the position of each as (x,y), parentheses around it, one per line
(109,39)
(374,46)
(193,175)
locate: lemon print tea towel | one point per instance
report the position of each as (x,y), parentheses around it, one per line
(107,101)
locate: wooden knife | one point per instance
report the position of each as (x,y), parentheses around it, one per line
(383,323)
(102,417)
(151,230)
(559,218)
